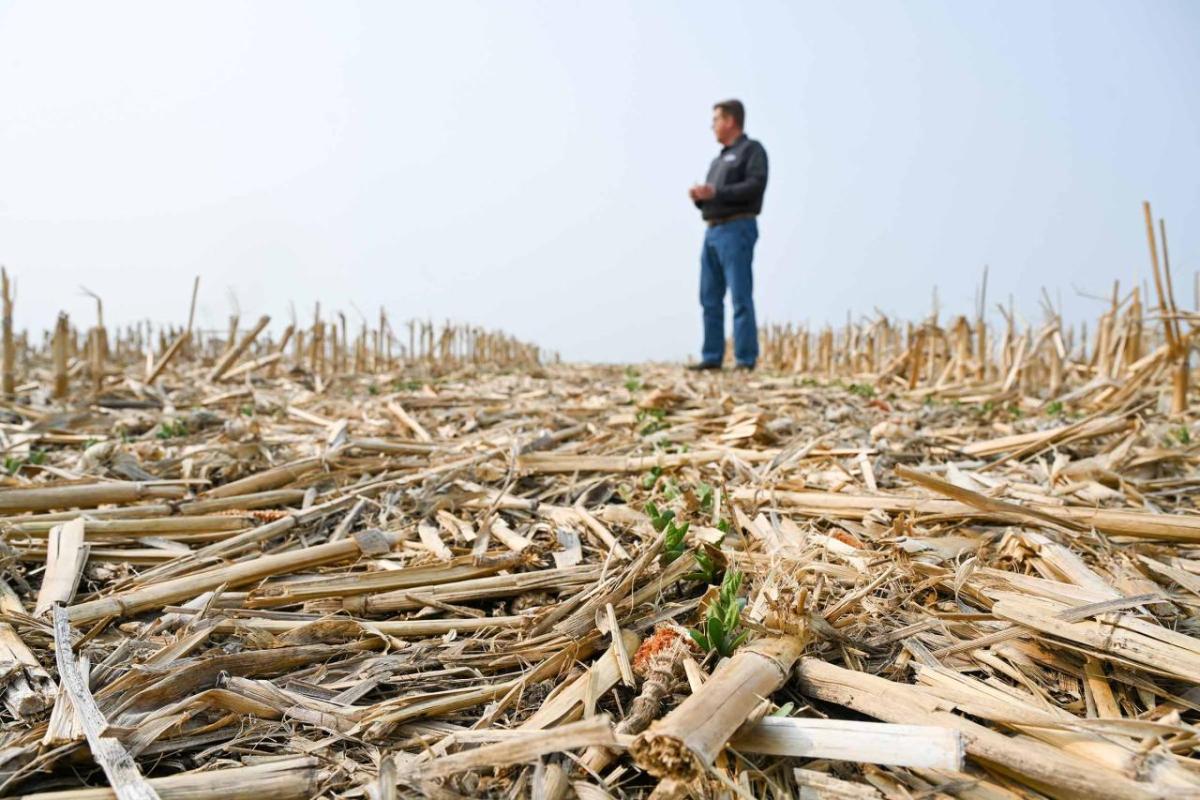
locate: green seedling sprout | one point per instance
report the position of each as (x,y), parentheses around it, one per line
(674,545)
(720,629)
(708,565)
(673,541)
(653,419)
(170,430)
(651,478)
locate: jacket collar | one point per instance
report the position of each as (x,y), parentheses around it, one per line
(741,138)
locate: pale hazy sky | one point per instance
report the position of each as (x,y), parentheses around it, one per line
(524,165)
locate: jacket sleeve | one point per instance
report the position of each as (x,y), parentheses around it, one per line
(753,185)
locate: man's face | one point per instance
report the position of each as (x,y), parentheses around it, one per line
(723,126)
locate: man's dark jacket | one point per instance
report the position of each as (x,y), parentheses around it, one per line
(739,174)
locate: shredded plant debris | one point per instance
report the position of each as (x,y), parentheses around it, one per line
(901,563)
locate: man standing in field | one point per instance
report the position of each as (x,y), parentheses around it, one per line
(730,199)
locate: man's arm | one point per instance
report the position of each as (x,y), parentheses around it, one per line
(755,182)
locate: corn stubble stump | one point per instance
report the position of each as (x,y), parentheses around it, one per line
(659,662)
(685,742)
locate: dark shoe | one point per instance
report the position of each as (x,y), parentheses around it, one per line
(745,368)
(704,366)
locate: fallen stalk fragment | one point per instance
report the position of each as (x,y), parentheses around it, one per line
(16,501)
(160,594)
(119,767)
(391,627)
(285,779)
(850,740)
(525,747)
(1024,759)
(1114,522)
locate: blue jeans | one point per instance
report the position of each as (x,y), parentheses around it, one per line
(725,261)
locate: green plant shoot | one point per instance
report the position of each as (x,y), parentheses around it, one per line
(720,630)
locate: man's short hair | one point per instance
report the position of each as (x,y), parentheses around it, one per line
(735,109)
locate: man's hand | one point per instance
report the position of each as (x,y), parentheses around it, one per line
(702,191)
